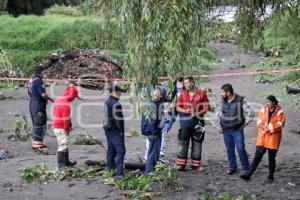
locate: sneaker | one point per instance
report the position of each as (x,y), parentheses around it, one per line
(231,172)
(162,160)
(201,168)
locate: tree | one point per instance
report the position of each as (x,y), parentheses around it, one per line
(161,35)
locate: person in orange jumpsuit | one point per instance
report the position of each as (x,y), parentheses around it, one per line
(270,122)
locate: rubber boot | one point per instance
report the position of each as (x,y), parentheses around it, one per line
(69,163)
(61,160)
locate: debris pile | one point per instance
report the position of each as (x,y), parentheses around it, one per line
(82,64)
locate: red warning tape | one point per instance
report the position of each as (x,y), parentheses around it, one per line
(164,78)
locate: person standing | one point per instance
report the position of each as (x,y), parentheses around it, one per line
(37,108)
(151,126)
(270,122)
(62,125)
(233,116)
(192,105)
(114,131)
(172,113)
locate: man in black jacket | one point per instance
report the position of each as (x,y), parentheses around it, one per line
(114,131)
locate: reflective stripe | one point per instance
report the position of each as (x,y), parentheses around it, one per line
(196,161)
(37,144)
(180,161)
(259,121)
(271,128)
(279,123)
(279,112)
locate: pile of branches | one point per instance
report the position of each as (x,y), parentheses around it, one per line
(93,68)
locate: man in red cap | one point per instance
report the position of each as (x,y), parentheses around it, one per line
(62,125)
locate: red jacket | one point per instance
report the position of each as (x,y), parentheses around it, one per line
(197,101)
(62,109)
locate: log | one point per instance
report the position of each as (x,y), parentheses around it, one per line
(132,165)
(295,131)
(292,90)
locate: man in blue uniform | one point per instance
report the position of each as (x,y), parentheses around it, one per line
(37,107)
(114,131)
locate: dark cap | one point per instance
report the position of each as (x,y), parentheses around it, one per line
(38,69)
(116,88)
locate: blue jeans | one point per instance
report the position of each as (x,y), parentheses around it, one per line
(153,153)
(235,139)
(165,131)
(115,151)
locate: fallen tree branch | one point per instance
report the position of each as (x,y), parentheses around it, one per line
(132,165)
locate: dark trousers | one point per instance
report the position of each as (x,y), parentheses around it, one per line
(186,134)
(232,140)
(39,121)
(153,153)
(260,151)
(115,151)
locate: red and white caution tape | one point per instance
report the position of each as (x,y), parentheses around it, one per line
(275,71)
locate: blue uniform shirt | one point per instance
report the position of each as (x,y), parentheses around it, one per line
(36,88)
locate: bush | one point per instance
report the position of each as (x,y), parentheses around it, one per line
(63,10)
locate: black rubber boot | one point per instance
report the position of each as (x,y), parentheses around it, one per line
(61,160)
(258,156)
(69,163)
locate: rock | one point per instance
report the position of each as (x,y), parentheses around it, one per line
(5,154)
(291,184)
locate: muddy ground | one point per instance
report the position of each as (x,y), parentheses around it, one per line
(195,184)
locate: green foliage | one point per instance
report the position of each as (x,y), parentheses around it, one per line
(42,174)
(89,7)
(63,10)
(222,31)
(141,186)
(161,35)
(21,129)
(7,70)
(84,139)
(167,176)
(281,35)
(227,196)
(135,133)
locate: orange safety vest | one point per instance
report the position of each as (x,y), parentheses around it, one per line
(269,134)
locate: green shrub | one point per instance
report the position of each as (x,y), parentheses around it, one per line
(63,10)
